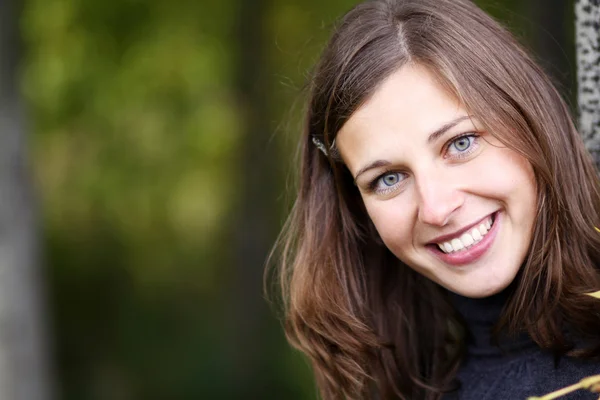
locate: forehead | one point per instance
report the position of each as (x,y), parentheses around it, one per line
(408,106)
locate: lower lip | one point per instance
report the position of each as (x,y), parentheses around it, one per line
(474,252)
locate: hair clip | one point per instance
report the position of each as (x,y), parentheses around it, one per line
(322,147)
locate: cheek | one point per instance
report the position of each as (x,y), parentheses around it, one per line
(393,222)
(510,177)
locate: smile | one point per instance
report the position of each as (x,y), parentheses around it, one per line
(466,240)
(468,245)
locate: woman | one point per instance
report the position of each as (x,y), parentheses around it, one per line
(443,239)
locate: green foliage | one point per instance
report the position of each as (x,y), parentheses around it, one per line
(135,136)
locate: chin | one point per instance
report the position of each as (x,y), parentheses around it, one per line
(479,291)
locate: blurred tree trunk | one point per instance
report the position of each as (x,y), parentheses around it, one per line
(552,22)
(255,218)
(587,14)
(24,373)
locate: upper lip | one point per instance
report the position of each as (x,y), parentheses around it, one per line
(445,238)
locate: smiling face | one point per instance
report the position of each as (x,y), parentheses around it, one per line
(447,198)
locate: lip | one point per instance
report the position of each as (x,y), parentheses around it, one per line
(448,237)
(474,252)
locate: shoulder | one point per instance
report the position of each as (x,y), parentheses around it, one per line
(533,374)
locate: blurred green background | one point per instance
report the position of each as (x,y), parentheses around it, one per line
(162,136)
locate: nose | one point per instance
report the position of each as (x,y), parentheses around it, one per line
(439,198)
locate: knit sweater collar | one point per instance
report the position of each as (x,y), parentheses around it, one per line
(480,317)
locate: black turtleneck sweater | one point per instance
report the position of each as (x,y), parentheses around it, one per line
(514,368)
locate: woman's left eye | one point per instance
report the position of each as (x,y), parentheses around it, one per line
(462,145)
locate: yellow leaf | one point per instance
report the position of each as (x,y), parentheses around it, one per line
(596,228)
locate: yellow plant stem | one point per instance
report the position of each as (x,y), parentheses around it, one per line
(590,383)
(595,294)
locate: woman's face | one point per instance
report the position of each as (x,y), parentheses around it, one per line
(447,198)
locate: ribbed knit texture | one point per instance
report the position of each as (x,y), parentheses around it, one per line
(514,368)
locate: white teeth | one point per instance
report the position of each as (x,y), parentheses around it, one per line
(482,229)
(467,239)
(448,247)
(457,245)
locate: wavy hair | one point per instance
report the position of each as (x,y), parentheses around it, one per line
(370,325)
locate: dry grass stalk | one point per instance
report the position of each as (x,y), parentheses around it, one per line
(591,383)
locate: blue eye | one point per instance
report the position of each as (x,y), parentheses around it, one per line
(387,182)
(462,143)
(462,146)
(390,179)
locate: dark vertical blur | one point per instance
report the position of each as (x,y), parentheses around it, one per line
(254,223)
(552,38)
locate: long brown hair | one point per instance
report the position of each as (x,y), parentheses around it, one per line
(370,325)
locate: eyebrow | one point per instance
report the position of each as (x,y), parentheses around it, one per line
(432,137)
(374,164)
(444,128)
